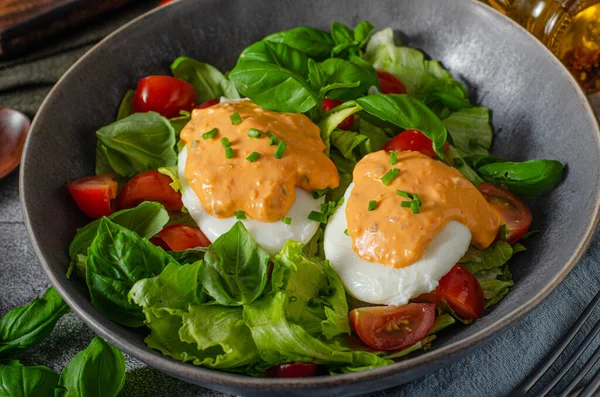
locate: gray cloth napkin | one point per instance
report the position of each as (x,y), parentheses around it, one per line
(493,370)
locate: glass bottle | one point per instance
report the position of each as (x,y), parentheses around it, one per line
(569,28)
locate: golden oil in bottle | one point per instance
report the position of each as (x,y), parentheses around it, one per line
(569,28)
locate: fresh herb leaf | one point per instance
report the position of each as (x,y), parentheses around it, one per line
(17,380)
(126,106)
(208,81)
(315,43)
(236,267)
(277,54)
(118,258)
(99,370)
(341,71)
(28,325)
(240,215)
(529,178)
(140,142)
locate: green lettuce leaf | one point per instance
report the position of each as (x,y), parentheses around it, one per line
(333,118)
(496,255)
(470,131)
(208,81)
(172,173)
(346,141)
(118,258)
(235,268)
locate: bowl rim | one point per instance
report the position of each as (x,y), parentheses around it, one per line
(184,370)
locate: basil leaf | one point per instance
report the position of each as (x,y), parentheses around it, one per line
(445,92)
(343,71)
(273,87)
(349,42)
(140,142)
(470,131)
(479,160)
(362,33)
(341,33)
(17,380)
(126,107)
(188,256)
(408,113)
(176,287)
(30,324)
(147,219)
(529,178)
(316,76)
(97,371)
(236,267)
(277,54)
(208,81)
(221,334)
(315,43)
(118,258)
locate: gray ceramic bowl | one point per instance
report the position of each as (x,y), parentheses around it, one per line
(538,112)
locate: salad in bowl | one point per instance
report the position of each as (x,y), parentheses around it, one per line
(328,205)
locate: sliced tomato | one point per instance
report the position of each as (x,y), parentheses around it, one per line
(461,290)
(181,237)
(93,194)
(329,104)
(149,186)
(207,104)
(390,84)
(299,370)
(516,214)
(413,140)
(165,95)
(159,242)
(393,327)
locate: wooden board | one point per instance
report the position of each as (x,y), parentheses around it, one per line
(27,22)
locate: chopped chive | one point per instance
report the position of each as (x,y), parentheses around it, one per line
(417,199)
(225,142)
(252,157)
(240,215)
(280,149)
(503,232)
(254,133)
(340,202)
(210,134)
(415,206)
(194,143)
(318,193)
(287,220)
(235,118)
(406,204)
(346,232)
(328,207)
(390,175)
(393,158)
(228,152)
(273,140)
(372,205)
(317,217)
(404,194)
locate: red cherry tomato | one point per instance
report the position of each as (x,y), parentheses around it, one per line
(159,242)
(93,194)
(516,214)
(390,84)
(162,3)
(149,186)
(165,95)
(299,370)
(461,290)
(393,327)
(207,104)
(329,104)
(412,140)
(181,237)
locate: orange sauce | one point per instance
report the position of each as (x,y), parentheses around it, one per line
(263,189)
(393,235)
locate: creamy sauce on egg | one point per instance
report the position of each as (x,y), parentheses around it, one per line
(265,188)
(393,235)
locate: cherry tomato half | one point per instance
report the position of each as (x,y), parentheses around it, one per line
(412,140)
(461,290)
(159,242)
(181,237)
(93,194)
(393,327)
(207,104)
(516,214)
(390,84)
(299,370)
(149,186)
(165,95)
(329,104)
(162,3)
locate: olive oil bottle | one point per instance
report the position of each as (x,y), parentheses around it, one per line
(569,28)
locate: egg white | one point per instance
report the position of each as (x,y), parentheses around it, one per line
(272,236)
(380,284)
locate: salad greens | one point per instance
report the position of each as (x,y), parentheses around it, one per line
(231,306)
(17,380)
